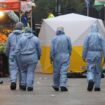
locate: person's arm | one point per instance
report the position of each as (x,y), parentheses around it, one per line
(69,46)
(52,52)
(7,49)
(17,53)
(17,50)
(85,49)
(38,49)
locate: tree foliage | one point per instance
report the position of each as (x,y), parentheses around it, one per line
(76,5)
(67,6)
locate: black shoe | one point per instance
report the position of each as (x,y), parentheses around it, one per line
(30,89)
(63,89)
(55,88)
(22,87)
(1,82)
(90,85)
(97,89)
(13,86)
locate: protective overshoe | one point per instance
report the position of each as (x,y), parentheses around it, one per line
(90,85)
(63,89)
(13,86)
(55,88)
(30,89)
(97,89)
(22,87)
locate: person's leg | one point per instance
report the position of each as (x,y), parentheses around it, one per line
(30,76)
(19,69)
(23,73)
(56,76)
(19,77)
(13,69)
(90,75)
(98,76)
(63,76)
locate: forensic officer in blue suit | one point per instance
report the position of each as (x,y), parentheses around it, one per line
(10,52)
(28,51)
(60,58)
(93,51)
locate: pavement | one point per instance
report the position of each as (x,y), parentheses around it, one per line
(43,93)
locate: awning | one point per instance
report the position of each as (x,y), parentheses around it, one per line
(99,4)
(101,0)
(10,5)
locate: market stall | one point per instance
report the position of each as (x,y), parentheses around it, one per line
(11,12)
(7,20)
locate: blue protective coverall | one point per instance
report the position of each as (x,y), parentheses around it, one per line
(60,57)
(13,39)
(28,51)
(93,51)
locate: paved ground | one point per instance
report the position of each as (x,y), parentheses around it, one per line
(43,94)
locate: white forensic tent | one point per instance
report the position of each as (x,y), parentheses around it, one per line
(77,27)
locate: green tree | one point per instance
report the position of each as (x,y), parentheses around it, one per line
(77,5)
(42,8)
(67,6)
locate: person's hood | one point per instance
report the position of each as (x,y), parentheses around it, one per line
(95,31)
(28,35)
(19,26)
(94,27)
(28,32)
(17,32)
(60,31)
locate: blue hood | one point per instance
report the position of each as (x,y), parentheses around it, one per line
(28,32)
(60,32)
(19,26)
(28,35)
(17,32)
(94,27)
